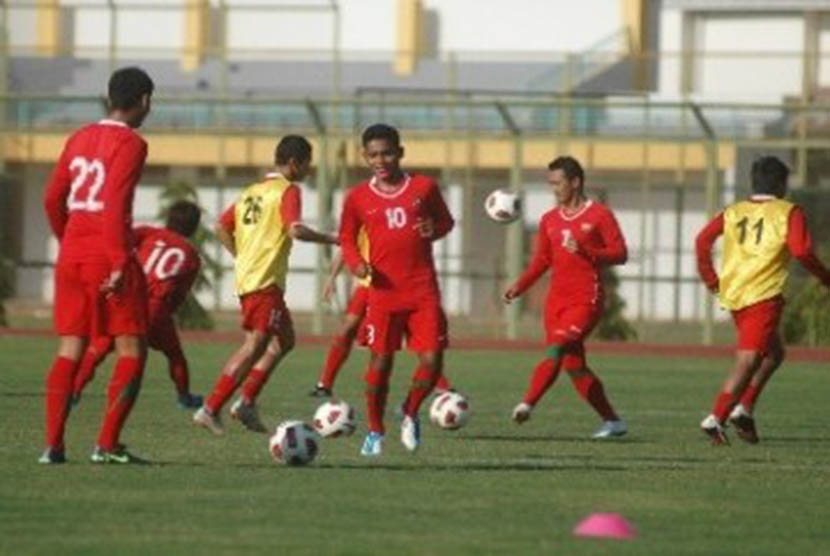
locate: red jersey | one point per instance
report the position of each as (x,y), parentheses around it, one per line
(171,265)
(403,270)
(575,276)
(89,198)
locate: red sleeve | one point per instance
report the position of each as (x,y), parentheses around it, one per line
(443,220)
(228,219)
(613,250)
(703,249)
(57,190)
(124,173)
(539,263)
(291,207)
(140,233)
(349,226)
(800,245)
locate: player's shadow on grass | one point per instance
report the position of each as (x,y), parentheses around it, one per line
(468,466)
(551,438)
(21,394)
(794,439)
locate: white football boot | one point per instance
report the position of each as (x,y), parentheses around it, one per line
(521,413)
(611,429)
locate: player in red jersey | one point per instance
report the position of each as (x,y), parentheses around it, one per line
(99,285)
(760,235)
(171,265)
(341,344)
(258,230)
(402,215)
(575,240)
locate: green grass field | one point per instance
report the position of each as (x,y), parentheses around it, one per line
(492,487)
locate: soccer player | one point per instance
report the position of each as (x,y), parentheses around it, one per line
(171,265)
(759,236)
(258,231)
(402,215)
(99,286)
(575,240)
(341,344)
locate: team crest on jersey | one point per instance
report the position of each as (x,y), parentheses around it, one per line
(586,227)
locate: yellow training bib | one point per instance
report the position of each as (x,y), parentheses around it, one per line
(755,253)
(363,248)
(262,242)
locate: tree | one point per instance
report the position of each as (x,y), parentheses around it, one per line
(192,315)
(613,325)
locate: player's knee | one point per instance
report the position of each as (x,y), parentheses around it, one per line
(130,346)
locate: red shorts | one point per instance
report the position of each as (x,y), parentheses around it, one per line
(568,325)
(162,334)
(758,324)
(265,311)
(425,328)
(82,310)
(358,301)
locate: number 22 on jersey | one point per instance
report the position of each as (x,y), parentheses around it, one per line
(85,190)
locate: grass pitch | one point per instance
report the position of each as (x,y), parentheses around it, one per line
(492,487)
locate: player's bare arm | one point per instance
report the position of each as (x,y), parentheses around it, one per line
(301,232)
(331,281)
(226,239)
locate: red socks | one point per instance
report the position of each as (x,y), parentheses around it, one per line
(121,395)
(338,353)
(443,384)
(422,383)
(750,396)
(543,377)
(95,353)
(179,374)
(377,390)
(724,404)
(58,392)
(253,385)
(222,391)
(591,390)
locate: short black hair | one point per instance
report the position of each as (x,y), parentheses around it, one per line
(569,166)
(769,176)
(292,146)
(381,131)
(127,86)
(183,217)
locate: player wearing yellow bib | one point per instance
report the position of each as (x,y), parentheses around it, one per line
(258,231)
(759,237)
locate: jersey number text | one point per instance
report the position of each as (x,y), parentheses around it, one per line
(758,228)
(87,184)
(164,261)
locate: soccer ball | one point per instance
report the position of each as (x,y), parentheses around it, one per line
(503,206)
(294,443)
(334,418)
(450,411)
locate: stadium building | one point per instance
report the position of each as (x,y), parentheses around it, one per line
(665,102)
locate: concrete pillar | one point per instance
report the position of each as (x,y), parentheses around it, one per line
(48,28)
(410,16)
(196,24)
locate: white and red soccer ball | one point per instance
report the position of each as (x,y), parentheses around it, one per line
(294,443)
(449,410)
(334,418)
(503,206)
